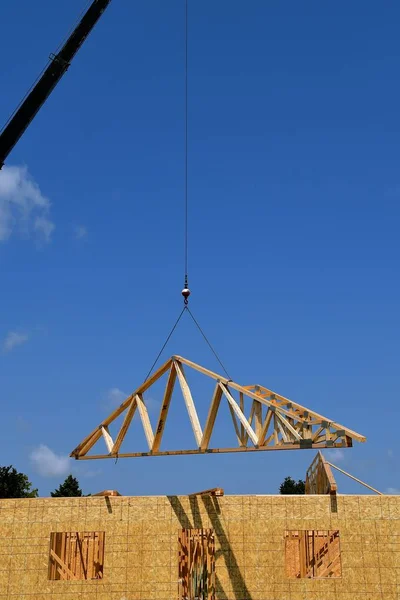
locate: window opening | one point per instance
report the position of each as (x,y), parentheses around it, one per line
(75,556)
(196,564)
(312,554)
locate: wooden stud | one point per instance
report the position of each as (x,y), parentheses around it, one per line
(84,566)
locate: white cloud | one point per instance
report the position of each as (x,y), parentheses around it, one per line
(49,464)
(393,491)
(44,227)
(22,205)
(335,456)
(115,396)
(80,232)
(14,339)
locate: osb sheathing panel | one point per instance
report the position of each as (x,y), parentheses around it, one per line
(141,546)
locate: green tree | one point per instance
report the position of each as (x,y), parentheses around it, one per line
(290,486)
(15,485)
(69,489)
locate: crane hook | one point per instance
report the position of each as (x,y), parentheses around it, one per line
(186,293)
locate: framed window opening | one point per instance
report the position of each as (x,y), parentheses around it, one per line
(76,556)
(312,554)
(196,564)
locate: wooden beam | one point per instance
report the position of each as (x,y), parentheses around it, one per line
(88,443)
(212,492)
(84,566)
(281,429)
(187,396)
(288,426)
(107,493)
(107,438)
(354,478)
(239,414)
(164,408)
(144,416)
(212,414)
(329,475)
(265,426)
(330,567)
(241,404)
(276,438)
(317,433)
(250,422)
(125,426)
(200,369)
(278,448)
(235,424)
(258,416)
(62,565)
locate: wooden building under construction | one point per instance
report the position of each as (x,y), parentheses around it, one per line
(206,546)
(310,547)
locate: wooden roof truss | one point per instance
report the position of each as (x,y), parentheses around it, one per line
(273,423)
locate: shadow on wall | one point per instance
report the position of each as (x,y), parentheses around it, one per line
(194,521)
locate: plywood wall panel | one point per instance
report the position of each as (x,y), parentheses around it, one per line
(141,549)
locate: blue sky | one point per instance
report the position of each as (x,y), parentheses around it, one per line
(294,190)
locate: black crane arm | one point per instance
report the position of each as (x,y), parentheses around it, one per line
(58,65)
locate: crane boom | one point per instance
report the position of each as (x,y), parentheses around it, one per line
(58,65)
